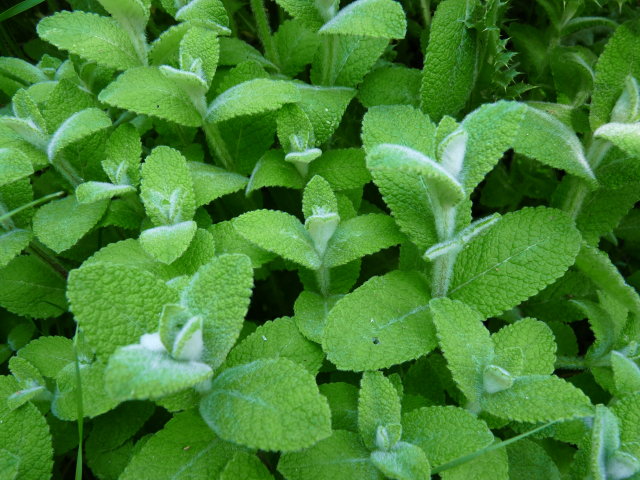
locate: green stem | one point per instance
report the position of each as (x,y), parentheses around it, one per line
(36,248)
(323,277)
(425,7)
(490,448)
(67,171)
(330,54)
(264,31)
(570,363)
(34,203)
(218,146)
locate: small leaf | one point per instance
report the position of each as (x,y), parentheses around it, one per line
(14,165)
(61,223)
(364,334)
(12,243)
(250,98)
(168,242)
(349,460)
(406,462)
(368,18)
(536,342)
(378,407)
(78,126)
(91,192)
(95,38)
(136,373)
(211,183)
(246,406)
(280,233)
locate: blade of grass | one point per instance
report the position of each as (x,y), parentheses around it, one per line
(19,8)
(79,407)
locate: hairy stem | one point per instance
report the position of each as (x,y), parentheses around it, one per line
(264,31)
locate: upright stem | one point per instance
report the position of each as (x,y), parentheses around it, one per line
(64,168)
(218,146)
(445,219)
(425,6)
(323,278)
(330,53)
(264,31)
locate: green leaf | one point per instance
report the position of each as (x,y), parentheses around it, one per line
(24,435)
(167,188)
(391,85)
(378,411)
(199,52)
(91,192)
(625,136)
(536,342)
(12,243)
(78,126)
(147,91)
(492,130)
(352,59)
(29,287)
(296,45)
(245,465)
(445,433)
(94,38)
(210,14)
(168,242)
(548,140)
(228,240)
(626,373)
(95,400)
(245,405)
(596,265)
(61,223)
(344,169)
(273,171)
(386,156)
(318,198)
(307,11)
(48,354)
(527,459)
(514,259)
(364,334)
(219,292)
(538,398)
(311,310)
(343,400)
(368,18)
(279,338)
(165,455)
(210,183)
(465,343)
(349,460)
(325,107)
(101,300)
(619,60)
(405,462)
(131,15)
(447,78)
(280,233)
(14,165)
(251,97)
(138,373)
(352,238)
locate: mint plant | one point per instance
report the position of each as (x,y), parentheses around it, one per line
(310,240)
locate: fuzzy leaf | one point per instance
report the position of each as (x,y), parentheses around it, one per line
(277,339)
(538,398)
(325,107)
(406,462)
(245,405)
(168,242)
(251,97)
(352,239)
(368,18)
(625,136)
(219,292)
(273,171)
(536,342)
(448,79)
(14,165)
(280,233)
(210,183)
(619,59)
(245,465)
(349,460)
(465,343)
(378,407)
(24,435)
(78,126)
(626,373)
(61,223)
(94,38)
(521,254)
(165,455)
(363,334)
(101,297)
(136,373)
(146,90)
(12,243)
(48,354)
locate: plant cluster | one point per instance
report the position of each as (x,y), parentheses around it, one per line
(313,241)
